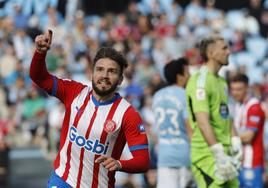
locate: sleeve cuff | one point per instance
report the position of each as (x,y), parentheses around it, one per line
(39,55)
(120,165)
(254,129)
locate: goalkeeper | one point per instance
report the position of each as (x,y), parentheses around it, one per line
(215,151)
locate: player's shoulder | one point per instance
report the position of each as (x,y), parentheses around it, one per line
(130,112)
(254,105)
(222,80)
(125,104)
(159,93)
(253,101)
(198,79)
(72,83)
(166,90)
(192,80)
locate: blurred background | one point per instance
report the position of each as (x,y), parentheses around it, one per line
(149,32)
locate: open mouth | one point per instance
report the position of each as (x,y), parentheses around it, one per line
(104,83)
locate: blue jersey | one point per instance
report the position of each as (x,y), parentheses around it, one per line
(169,106)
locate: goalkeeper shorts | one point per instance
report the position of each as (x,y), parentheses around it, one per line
(204,176)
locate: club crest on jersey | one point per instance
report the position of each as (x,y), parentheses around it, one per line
(224,111)
(109,126)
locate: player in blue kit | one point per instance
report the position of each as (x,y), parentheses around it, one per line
(169,106)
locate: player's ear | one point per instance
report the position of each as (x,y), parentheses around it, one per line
(210,51)
(121,80)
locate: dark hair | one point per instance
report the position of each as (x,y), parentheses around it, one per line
(239,78)
(206,42)
(111,53)
(173,68)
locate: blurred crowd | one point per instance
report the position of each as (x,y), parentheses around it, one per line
(149,32)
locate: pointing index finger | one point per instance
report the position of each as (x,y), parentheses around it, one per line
(49,34)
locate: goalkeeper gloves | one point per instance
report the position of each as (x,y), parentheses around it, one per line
(224,168)
(237,151)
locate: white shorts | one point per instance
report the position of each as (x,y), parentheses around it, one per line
(173,177)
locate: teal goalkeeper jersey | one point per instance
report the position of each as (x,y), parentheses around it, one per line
(207,92)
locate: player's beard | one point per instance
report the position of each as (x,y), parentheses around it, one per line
(226,61)
(106,92)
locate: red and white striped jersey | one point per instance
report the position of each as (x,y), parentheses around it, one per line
(90,129)
(250,115)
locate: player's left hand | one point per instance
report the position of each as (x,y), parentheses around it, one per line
(237,163)
(224,168)
(43,42)
(109,163)
(237,150)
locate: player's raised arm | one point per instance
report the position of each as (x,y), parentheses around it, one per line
(38,69)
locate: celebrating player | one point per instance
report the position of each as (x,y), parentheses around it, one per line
(97,124)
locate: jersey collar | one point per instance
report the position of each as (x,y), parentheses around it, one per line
(97,103)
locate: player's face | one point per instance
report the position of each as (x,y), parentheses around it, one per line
(106,77)
(239,90)
(220,52)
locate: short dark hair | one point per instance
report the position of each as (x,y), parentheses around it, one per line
(173,68)
(111,53)
(239,78)
(205,43)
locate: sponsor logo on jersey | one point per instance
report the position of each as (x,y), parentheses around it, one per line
(200,94)
(93,146)
(109,126)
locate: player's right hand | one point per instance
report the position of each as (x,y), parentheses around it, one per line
(109,163)
(224,168)
(43,42)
